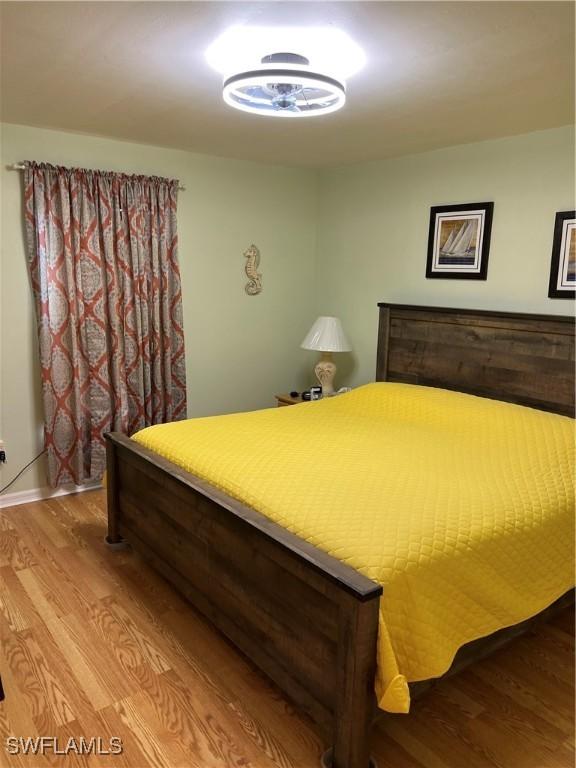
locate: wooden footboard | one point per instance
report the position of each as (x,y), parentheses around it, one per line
(307,620)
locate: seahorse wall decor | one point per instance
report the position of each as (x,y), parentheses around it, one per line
(254,284)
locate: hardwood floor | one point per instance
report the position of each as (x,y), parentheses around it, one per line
(93,643)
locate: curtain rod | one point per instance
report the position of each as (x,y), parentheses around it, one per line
(22,167)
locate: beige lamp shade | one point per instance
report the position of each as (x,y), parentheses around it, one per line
(326,335)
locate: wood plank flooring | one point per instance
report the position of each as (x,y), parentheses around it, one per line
(93,643)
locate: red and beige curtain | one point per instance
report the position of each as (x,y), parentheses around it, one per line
(103,261)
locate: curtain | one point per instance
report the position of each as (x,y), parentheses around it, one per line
(103,262)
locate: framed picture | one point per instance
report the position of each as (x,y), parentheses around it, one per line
(459,241)
(563,266)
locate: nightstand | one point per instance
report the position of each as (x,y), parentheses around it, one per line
(287,400)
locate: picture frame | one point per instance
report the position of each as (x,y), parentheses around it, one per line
(562,283)
(459,241)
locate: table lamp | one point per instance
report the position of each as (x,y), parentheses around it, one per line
(326,336)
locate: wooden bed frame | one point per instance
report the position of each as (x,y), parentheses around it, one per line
(307,620)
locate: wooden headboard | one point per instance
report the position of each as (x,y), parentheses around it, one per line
(520,358)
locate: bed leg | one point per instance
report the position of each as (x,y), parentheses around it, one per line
(327,760)
(113,539)
(355,708)
(114,545)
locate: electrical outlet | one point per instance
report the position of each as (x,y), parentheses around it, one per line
(2,452)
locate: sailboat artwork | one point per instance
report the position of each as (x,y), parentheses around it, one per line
(460,245)
(459,241)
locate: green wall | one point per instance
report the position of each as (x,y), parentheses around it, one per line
(334,242)
(373,232)
(240,349)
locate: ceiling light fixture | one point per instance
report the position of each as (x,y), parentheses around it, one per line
(285,72)
(284,87)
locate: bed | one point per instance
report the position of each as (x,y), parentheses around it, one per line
(307,619)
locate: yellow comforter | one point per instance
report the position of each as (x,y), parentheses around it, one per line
(461,507)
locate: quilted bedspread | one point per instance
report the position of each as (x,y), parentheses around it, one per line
(460,506)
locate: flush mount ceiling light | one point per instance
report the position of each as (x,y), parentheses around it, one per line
(284,86)
(285,72)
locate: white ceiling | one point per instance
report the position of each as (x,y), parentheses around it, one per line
(438,73)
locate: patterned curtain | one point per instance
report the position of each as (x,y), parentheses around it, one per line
(103,261)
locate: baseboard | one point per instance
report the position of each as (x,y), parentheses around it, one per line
(40,494)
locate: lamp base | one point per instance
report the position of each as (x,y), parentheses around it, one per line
(325,371)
